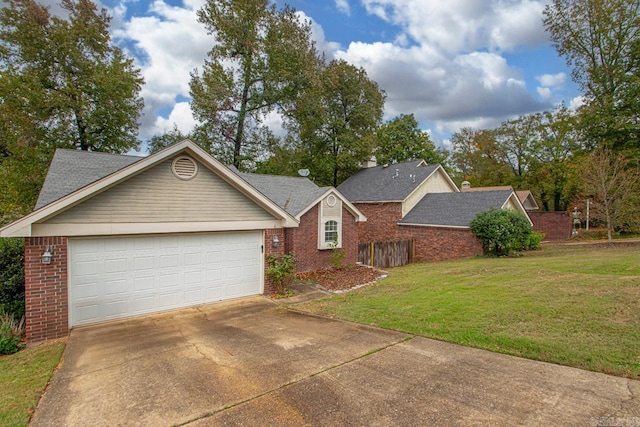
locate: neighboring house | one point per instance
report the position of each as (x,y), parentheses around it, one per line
(417,201)
(525,196)
(527,200)
(118,236)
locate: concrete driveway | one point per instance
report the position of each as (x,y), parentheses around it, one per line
(251,362)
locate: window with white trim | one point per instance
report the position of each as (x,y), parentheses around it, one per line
(330,223)
(331,232)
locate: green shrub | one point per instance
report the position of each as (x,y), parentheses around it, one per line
(337,258)
(12,276)
(503,231)
(281,271)
(11,332)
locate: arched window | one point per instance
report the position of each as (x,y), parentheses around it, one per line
(331,232)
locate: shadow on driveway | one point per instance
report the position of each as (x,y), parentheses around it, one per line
(251,362)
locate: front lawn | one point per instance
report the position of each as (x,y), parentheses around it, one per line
(572,305)
(23,377)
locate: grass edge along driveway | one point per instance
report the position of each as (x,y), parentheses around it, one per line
(23,377)
(571,305)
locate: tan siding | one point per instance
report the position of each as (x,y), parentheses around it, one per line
(157,195)
(334,211)
(512,205)
(433,184)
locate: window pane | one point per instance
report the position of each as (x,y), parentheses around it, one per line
(331,231)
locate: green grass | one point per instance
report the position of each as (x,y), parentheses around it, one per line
(23,378)
(571,305)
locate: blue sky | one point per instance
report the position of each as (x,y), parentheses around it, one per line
(451,63)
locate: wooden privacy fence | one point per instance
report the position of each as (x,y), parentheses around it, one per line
(386,254)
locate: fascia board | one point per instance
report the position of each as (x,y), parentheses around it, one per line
(350,207)
(22,227)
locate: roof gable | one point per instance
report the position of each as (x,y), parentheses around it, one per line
(457,209)
(70,170)
(387,183)
(295,194)
(23,226)
(158,195)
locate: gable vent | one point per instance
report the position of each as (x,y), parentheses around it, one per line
(184,168)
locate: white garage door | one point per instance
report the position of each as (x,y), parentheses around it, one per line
(113,278)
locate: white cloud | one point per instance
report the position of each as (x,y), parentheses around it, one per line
(343,7)
(168,43)
(544,92)
(576,103)
(448,91)
(318,36)
(180,116)
(465,26)
(446,64)
(552,80)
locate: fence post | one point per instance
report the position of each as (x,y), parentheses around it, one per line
(371,254)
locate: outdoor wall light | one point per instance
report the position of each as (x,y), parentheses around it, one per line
(47,255)
(276,241)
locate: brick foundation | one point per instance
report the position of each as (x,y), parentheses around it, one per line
(46,298)
(303,242)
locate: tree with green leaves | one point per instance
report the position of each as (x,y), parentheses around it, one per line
(335,121)
(62,84)
(612,185)
(477,158)
(553,153)
(400,140)
(262,58)
(600,40)
(62,81)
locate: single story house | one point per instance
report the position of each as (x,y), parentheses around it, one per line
(414,200)
(117,236)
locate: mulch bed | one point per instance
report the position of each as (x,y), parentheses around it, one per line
(342,279)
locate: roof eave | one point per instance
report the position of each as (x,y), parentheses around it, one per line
(434,225)
(350,207)
(22,227)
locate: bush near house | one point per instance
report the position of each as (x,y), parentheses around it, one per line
(503,231)
(12,277)
(281,271)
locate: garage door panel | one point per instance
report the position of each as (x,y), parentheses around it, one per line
(114,278)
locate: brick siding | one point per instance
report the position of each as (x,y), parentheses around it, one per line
(431,243)
(269,249)
(439,244)
(556,226)
(303,242)
(46,298)
(381,221)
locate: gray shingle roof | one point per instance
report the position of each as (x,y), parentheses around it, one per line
(70,170)
(454,209)
(291,193)
(385,184)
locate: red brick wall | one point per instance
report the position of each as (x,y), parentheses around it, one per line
(439,244)
(269,249)
(303,242)
(431,243)
(556,226)
(381,221)
(46,298)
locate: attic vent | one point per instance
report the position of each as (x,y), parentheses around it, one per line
(184,168)
(331,200)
